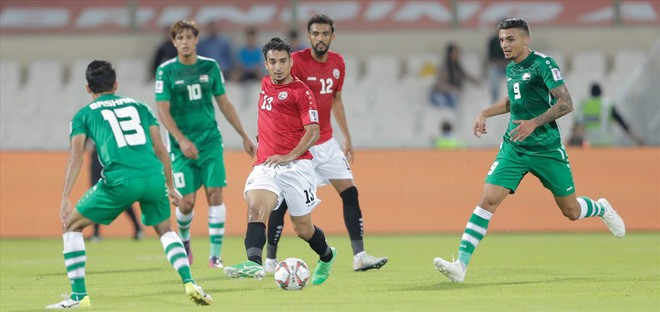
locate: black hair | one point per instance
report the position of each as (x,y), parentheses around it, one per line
(595,90)
(514,22)
(321,19)
(276,44)
(100,76)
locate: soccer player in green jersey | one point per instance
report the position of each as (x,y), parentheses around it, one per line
(537,96)
(136,167)
(185,89)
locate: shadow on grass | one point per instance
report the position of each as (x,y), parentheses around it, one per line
(447,285)
(98,272)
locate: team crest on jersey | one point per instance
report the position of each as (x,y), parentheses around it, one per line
(203,78)
(335,72)
(526,76)
(159,86)
(282,95)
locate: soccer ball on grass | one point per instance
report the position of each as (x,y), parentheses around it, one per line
(292,274)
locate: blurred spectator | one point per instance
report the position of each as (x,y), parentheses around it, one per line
(165,51)
(449,79)
(577,136)
(446,140)
(250,58)
(596,115)
(294,41)
(217,47)
(495,67)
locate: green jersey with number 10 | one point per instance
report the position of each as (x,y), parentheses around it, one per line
(190,90)
(528,84)
(119,127)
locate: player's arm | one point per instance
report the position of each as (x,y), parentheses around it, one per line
(500,107)
(563,106)
(340,116)
(72,170)
(161,153)
(228,110)
(312,134)
(187,147)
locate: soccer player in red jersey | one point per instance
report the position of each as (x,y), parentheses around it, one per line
(324,71)
(288,127)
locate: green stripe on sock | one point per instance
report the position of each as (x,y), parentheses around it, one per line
(217,225)
(479,221)
(74,254)
(474,234)
(75,266)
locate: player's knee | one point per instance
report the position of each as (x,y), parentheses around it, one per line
(304,232)
(186,206)
(571,214)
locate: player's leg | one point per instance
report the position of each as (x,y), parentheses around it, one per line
(137,228)
(275,227)
(156,213)
(214,179)
(186,182)
(299,190)
(96,234)
(503,178)
(100,204)
(331,166)
(261,195)
(216,221)
(554,171)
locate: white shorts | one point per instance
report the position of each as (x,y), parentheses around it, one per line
(330,163)
(293,182)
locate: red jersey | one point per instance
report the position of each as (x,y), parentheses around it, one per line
(284,111)
(325,79)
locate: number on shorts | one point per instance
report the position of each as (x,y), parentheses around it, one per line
(179,181)
(130,123)
(492,168)
(309,195)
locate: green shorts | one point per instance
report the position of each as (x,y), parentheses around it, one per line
(106,200)
(551,167)
(208,169)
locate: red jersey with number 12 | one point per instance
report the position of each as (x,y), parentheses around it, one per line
(325,80)
(284,111)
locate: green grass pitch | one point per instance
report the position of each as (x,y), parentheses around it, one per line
(509,272)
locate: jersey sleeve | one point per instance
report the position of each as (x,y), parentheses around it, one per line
(77,125)
(342,71)
(550,73)
(307,106)
(162,87)
(150,119)
(218,87)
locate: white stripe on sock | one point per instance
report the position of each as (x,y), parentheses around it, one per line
(583,207)
(214,231)
(174,251)
(77,273)
(483,213)
(470,239)
(180,216)
(180,263)
(217,214)
(476,228)
(73,241)
(75,260)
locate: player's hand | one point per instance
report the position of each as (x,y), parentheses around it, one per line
(277,160)
(523,130)
(348,152)
(249,147)
(188,148)
(175,196)
(479,127)
(65,210)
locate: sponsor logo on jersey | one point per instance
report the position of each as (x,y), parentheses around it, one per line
(526,76)
(556,74)
(335,72)
(313,115)
(159,86)
(203,78)
(311,78)
(282,95)
(178,82)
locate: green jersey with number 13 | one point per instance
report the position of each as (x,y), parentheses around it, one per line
(190,90)
(119,127)
(528,84)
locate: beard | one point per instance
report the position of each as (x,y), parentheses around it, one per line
(317,50)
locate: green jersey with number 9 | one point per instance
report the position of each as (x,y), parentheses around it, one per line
(528,84)
(190,90)
(119,127)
